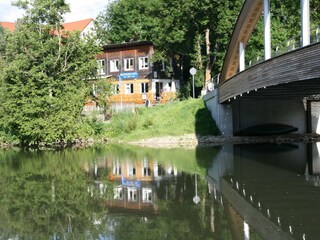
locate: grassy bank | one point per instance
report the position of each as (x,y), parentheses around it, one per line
(173,119)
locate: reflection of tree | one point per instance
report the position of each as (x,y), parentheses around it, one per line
(47,194)
(44,195)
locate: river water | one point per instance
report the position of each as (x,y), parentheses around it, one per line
(265,191)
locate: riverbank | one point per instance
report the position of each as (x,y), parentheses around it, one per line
(187,141)
(192,140)
(177,124)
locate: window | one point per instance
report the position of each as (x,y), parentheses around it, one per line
(101,67)
(118,193)
(129,88)
(132,194)
(116,169)
(146,195)
(116,89)
(128,64)
(143,63)
(144,88)
(114,65)
(146,170)
(162,66)
(131,169)
(166,65)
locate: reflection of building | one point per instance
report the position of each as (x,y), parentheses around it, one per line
(136,184)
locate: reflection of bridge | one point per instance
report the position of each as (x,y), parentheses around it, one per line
(283,89)
(269,189)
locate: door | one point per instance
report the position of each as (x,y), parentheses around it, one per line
(159,89)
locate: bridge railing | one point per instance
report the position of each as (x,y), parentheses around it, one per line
(213,83)
(287,46)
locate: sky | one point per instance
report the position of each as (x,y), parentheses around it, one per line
(80,9)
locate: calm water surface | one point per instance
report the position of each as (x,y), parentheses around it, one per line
(121,192)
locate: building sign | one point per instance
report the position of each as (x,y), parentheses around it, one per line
(128,75)
(130,183)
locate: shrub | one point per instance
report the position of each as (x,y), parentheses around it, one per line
(148,122)
(131,125)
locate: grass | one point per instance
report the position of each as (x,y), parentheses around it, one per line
(173,119)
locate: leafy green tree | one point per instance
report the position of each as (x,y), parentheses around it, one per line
(102,90)
(285,25)
(2,41)
(177,28)
(44,80)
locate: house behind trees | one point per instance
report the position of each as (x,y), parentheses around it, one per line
(130,67)
(137,79)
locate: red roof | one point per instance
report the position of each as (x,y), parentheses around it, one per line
(72,26)
(77,26)
(8,25)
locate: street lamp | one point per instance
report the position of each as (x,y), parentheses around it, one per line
(193,71)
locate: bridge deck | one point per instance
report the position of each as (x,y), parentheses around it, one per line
(295,74)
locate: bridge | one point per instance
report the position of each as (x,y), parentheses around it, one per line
(284,88)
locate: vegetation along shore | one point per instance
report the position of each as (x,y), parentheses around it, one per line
(178,124)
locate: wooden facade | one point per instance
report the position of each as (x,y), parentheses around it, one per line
(136,78)
(295,74)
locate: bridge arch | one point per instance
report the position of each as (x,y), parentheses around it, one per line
(247,20)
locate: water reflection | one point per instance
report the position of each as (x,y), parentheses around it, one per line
(269,188)
(122,192)
(113,192)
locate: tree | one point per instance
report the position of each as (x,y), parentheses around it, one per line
(177,28)
(285,25)
(44,80)
(102,90)
(180,27)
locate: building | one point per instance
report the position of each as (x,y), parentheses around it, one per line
(83,26)
(136,78)
(8,25)
(129,66)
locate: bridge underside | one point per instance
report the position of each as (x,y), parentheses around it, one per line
(299,90)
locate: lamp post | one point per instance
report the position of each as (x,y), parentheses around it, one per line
(193,71)
(120,82)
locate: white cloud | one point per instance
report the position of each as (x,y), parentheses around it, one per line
(9,13)
(79,10)
(85,9)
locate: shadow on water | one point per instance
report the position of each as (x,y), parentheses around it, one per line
(268,188)
(287,156)
(126,192)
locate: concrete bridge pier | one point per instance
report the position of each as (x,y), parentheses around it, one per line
(248,113)
(243,113)
(221,113)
